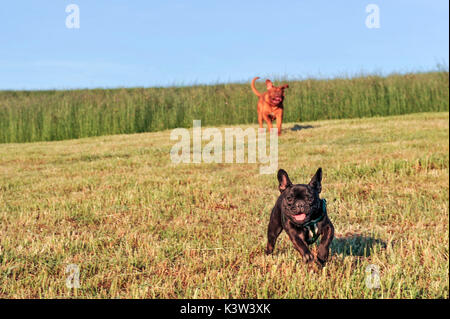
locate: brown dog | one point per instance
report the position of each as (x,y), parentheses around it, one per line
(270,104)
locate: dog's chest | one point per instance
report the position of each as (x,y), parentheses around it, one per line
(272,112)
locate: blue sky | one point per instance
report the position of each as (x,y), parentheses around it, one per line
(171,42)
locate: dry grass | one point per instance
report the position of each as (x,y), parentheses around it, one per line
(141,227)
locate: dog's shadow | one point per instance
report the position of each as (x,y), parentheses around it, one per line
(297,127)
(355,245)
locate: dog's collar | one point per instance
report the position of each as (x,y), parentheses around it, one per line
(313,223)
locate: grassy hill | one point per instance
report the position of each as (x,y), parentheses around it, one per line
(139,226)
(58,115)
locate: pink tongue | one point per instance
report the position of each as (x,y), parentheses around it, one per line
(300,217)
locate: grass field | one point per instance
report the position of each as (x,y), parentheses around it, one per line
(139,226)
(57,115)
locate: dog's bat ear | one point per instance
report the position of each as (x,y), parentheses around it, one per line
(283,179)
(316,181)
(269,84)
(283,87)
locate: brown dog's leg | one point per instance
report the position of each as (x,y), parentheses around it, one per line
(325,242)
(279,120)
(268,121)
(260,120)
(273,230)
(300,245)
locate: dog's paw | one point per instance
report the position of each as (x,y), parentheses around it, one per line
(309,258)
(314,267)
(268,250)
(322,255)
(320,263)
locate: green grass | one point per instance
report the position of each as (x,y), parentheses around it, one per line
(57,115)
(139,226)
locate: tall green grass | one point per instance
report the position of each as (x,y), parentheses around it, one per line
(57,115)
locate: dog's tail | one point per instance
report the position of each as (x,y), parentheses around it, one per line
(254,88)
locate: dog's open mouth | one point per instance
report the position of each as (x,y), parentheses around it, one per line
(277,100)
(299,217)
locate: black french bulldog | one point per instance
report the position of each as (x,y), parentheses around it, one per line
(298,211)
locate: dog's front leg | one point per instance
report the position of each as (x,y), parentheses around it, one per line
(279,120)
(300,245)
(325,242)
(274,229)
(260,119)
(268,121)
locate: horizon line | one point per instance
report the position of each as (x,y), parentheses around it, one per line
(291,78)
